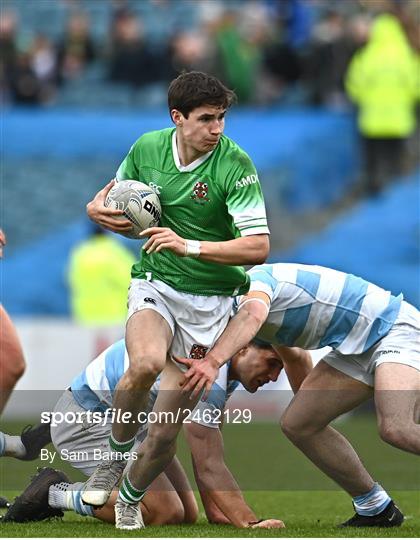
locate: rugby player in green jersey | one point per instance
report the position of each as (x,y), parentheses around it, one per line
(213,221)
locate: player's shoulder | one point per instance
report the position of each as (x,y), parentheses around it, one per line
(231,153)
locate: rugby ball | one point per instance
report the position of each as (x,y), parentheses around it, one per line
(139,203)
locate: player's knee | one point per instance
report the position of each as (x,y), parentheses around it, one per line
(162,440)
(13,369)
(169,511)
(392,433)
(288,427)
(144,371)
(296,428)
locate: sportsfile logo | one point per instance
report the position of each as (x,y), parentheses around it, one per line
(246,181)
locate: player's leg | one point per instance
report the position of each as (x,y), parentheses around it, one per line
(12,362)
(28,444)
(148,337)
(397,400)
(178,478)
(396,362)
(159,447)
(325,394)
(149,333)
(199,320)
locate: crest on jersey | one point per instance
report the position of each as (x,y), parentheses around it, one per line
(200,193)
(198,352)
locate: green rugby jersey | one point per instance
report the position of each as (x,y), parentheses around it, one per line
(216,198)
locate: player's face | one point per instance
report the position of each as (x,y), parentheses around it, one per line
(257,367)
(203,127)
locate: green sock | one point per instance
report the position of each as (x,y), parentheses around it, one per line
(117,446)
(129,494)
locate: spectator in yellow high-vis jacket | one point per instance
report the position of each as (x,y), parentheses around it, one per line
(383,79)
(99,276)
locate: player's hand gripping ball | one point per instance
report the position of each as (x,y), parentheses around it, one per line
(139,203)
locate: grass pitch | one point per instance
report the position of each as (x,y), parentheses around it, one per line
(277,481)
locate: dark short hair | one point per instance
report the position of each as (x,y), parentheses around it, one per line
(195,89)
(258,344)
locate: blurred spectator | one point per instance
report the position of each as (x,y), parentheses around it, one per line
(335,40)
(99,275)
(282,69)
(238,46)
(8,51)
(190,51)
(268,50)
(296,17)
(383,80)
(44,65)
(131,60)
(24,84)
(76,49)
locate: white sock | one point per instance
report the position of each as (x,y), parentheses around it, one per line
(68,497)
(11,446)
(373,502)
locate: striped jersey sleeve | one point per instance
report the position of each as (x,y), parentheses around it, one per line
(313,307)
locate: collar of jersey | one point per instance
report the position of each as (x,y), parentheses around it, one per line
(191,166)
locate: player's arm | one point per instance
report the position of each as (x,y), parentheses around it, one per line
(297,364)
(252,249)
(215,481)
(252,313)
(178,478)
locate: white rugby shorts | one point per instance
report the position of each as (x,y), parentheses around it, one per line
(195,321)
(400,346)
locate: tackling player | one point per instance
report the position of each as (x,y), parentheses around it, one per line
(170,499)
(213,221)
(375,338)
(12,361)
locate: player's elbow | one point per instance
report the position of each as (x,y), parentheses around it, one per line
(253,315)
(13,369)
(260,249)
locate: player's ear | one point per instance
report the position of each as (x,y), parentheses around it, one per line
(244,350)
(176,117)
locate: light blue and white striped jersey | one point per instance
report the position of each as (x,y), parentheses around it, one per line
(314,307)
(94,388)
